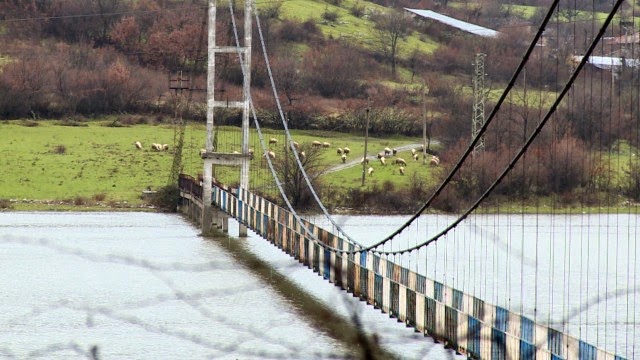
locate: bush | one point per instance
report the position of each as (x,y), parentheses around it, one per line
(80,200)
(60,149)
(357,9)
(167,198)
(330,16)
(5,204)
(631,185)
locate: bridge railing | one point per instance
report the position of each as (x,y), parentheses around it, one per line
(466,323)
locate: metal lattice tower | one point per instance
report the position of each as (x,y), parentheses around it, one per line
(477,120)
(212,156)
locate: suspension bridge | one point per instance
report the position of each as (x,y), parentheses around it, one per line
(496,281)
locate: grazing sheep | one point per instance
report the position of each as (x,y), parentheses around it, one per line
(364,160)
(316,144)
(339,151)
(346,150)
(269,153)
(326,145)
(344,158)
(413,152)
(383,161)
(400,161)
(370,171)
(156,147)
(138,145)
(273,141)
(296,145)
(302,155)
(387,151)
(380,155)
(165,147)
(435,161)
(394,151)
(416,157)
(203,152)
(401,169)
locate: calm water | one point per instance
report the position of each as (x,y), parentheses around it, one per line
(578,273)
(146,286)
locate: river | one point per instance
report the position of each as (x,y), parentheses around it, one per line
(147,286)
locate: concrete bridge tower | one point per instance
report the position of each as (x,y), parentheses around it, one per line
(213,155)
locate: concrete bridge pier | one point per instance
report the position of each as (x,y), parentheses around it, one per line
(242,231)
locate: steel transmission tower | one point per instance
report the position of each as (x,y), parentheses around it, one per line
(477,120)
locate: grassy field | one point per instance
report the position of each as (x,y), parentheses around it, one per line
(98,163)
(347,26)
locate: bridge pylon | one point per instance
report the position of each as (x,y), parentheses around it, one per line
(213,156)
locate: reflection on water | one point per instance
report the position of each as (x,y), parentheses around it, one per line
(137,285)
(146,286)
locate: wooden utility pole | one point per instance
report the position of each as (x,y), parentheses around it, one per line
(366,140)
(425,90)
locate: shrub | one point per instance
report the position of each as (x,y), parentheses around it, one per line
(29,123)
(330,16)
(357,10)
(5,204)
(631,185)
(80,200)
(167,198)
(60,149)
(99,197)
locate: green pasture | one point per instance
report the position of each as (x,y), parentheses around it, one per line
(94,161)
(349,27)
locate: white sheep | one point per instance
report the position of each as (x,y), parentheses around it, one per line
(339,151)
(138,145)
(370,171)
(326,145)
(203,152)
(416,157)
(165,147)
(270,153)
(394,151)
(435,161)
(344,158)
(316,144)
(380,155)
(383,161)
(296,145)
(401,169)
(413,152)
(364,160)
(273,141)
(346,150)
(400,161)
(302,155)
(387,151)
(156,147)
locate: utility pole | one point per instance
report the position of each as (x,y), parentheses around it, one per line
(477,120)
(178,84)
(366,140)
(425,91)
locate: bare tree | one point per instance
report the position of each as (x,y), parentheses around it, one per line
(295,186)
(391,28)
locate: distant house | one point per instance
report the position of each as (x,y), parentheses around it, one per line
(459,24)
(607,62)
